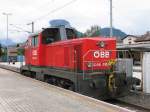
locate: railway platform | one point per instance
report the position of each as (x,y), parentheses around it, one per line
(23,94)
(10,66)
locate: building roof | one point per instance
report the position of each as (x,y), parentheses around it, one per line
(138,46)
(145,37)
(130,36)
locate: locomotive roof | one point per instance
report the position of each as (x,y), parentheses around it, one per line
(36,33)
(99,38)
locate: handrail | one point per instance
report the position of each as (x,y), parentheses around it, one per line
(83,64)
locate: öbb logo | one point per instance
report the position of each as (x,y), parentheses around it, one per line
(34,52)
(101,54)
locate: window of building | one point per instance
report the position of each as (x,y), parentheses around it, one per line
(129,39)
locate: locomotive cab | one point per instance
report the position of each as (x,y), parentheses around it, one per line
(50,35)
(38,42)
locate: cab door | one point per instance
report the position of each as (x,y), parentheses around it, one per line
(34,50)
(27,51)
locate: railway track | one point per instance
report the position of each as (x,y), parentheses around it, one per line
(128,106)
(114,101)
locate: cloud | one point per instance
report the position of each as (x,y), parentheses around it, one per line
(131,16)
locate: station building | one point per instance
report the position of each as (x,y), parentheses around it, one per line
(138,48)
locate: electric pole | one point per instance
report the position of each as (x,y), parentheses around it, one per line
(111,19)
(7,14)
(32,23)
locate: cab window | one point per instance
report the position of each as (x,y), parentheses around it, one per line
(70,33)
(35,41)
(50,35)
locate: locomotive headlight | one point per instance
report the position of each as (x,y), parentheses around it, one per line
(101,44)
(89,64)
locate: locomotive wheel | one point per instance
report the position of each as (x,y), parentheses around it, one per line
(66,84)
(72,88)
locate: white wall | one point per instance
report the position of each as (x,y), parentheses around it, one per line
(129,39)
(146,72)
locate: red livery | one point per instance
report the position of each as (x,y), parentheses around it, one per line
(72,54)
(85,65)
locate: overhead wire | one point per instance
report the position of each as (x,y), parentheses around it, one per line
(55,10)
(22,29)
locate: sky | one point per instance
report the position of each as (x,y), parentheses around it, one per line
(131,16)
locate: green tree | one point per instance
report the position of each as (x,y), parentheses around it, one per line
(93,31)
(0,50)
(20,51)
(4,51)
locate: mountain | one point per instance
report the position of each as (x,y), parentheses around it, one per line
(8,42)
(116,32)
(105,32)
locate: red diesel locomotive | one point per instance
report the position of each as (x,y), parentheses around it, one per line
(85,65)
